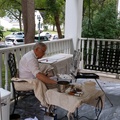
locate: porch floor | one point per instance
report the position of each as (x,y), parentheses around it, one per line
(29,107)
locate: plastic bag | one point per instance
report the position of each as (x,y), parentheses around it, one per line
(35,118)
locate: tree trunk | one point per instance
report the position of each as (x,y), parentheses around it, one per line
(20,21)
(56,17)
(28,10)
(53,27)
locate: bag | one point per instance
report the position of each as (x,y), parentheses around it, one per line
(50,116)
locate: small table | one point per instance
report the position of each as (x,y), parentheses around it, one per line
(70,102)
(61,62)
(91,76)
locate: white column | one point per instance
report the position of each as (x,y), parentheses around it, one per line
(73,20)
(118,8)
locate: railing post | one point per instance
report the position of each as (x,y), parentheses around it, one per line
(82,56)
(6,70)
(1,69)
(88,48)
(92,52)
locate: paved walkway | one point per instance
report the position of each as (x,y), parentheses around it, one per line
(29,107)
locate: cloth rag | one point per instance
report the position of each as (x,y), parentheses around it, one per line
(71,102)
(36,85)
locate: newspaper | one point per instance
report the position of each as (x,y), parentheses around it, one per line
(52,59)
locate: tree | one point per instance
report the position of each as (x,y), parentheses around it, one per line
(53,13)
(15,14)
(100,21)
(1,32)
(55,9)
(12,9)
(28,11)
(106,22)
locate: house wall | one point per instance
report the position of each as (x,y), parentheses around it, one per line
(37,14)
(5,24)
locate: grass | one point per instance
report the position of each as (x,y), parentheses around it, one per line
(5,33)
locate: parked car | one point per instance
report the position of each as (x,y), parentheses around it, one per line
(2,45)
(14,41)
(15,34)
(47,34)
(42,38)
(15,38)
(55,37)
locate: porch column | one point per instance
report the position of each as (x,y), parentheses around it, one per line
(73,20)
(118,8)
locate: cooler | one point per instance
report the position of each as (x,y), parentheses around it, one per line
(4,104)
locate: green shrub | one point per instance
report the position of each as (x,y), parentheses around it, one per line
(45,28)
(1,35)
(14,30)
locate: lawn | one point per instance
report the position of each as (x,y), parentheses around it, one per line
(5,33)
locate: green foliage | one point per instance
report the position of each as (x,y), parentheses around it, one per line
(40,4)
(54,8)
(1,34)
(104,22)
(45,28)
(14,30)
(11,8)
(5,33)
(1,28)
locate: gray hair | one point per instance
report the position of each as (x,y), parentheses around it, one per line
(39,44)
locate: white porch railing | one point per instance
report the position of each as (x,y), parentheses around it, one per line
(92,51)
(57,46)
(53,47)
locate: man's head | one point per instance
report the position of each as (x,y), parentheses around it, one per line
(39,49)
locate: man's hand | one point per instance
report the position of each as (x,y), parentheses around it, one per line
(45,78)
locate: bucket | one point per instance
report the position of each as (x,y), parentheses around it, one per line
(14,117)
(62,86)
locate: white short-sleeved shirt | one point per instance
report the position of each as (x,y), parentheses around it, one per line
(28,66)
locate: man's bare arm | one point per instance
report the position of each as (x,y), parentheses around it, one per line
(45,79)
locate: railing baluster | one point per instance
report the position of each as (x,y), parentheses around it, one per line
(1,60)
(104,55)
(92,50)
(82,59)
(88,48)
(6,70)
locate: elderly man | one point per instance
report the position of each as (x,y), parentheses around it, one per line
(29,69)
(29,65)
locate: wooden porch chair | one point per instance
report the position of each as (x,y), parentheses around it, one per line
(20,87)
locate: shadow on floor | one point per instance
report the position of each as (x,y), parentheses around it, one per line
(29,107)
